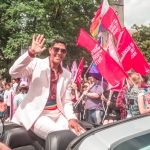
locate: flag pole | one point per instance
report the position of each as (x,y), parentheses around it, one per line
(88,68)
(110,95)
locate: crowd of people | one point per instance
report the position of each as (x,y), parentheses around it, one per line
(41,90)
(103,105)
(11,95)
(92,101)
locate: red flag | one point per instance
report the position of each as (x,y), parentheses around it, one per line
(111,49)
(131,55)
(111,22)
(118,87)
(79,71)
(106,65)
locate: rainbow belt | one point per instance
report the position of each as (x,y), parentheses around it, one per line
(51,105)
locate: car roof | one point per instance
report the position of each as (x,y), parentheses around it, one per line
(109,136)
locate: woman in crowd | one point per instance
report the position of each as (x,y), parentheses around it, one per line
(136,100)
(8,97)
(23,89)
(75,96)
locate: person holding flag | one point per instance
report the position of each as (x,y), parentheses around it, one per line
(93,102)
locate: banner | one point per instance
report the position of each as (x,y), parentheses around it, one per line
(111,22)
(131,55)
(78,75)
(73,69)
(106,65)
(112,51)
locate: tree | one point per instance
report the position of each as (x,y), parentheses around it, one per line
(142,38)
(20,19)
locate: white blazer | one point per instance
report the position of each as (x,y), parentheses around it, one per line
(38,72)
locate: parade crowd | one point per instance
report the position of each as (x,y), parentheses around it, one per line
(93,101)
(44,98)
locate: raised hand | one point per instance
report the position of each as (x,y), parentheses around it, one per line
(37,44)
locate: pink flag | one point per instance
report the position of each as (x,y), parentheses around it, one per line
(78,75)
(106,65)
(111,49)
(67,67)
(111,22)
(131,55)
(73,69)
(117,87)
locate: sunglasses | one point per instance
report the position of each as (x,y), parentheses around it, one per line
(57,49)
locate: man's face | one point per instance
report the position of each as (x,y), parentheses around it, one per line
(93,79)
(57,53)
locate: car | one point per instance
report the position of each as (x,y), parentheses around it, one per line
(128,134)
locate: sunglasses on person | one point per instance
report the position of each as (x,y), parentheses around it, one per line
(57,49)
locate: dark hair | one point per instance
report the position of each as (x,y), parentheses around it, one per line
(145,78)
(23,89)
(58,41)
(7,84)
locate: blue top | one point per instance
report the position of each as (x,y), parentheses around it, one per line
(19,98)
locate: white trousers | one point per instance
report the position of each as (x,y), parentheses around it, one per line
(49,121)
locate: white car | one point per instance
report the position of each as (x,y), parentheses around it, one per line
(128,134)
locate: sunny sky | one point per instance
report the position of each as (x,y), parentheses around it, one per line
(136,12)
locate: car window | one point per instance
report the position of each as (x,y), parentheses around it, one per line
(138,143)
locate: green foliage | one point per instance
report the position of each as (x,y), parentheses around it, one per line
(20,19)
(142,39)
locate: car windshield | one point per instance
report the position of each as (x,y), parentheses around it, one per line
(138,143)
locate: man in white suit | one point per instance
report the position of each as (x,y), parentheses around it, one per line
(47,106)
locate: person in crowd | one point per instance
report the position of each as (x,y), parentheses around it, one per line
(144,83)
(15,85)
(23,89)
(2,91)
(90,79)
(136,101)
(75,94)
(93,102)
(84,113)
(8,97)
(2,109)
(47,106)
(116,105)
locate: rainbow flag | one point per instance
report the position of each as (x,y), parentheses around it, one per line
(95,23)
(96,28)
